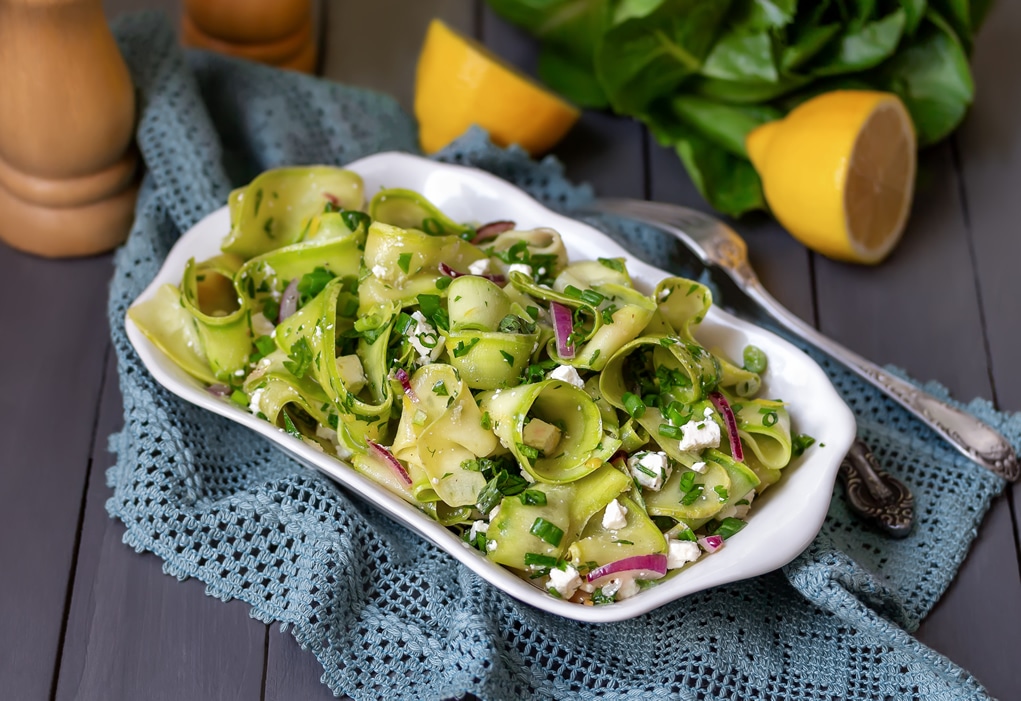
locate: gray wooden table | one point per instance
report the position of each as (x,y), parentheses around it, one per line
(83,616)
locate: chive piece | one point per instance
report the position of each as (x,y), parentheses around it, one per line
(669,431)
(770,419)
(403,324)
(289,426)
(687,534)
(721,492)
(429,304)
(443,282)
(507,357)
(532,312)
(687,481)
(592,297)
(754,360)
(801,442)
(333,420)
(634,405)
(404,261)
(572,292)
(592,360)
(533,497)
(613,264)
(239,398)
(546,531)
(729,526)
(539,560)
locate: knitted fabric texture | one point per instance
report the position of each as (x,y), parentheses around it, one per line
(391,616)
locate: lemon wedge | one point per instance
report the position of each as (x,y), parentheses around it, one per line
(459,83)
(839,172)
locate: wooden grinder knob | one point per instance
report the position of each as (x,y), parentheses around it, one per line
(275,32)
(67,114)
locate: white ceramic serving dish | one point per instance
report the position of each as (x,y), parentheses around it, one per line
(781,523)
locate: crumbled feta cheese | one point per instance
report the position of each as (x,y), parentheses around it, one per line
(254,403)
(699,467)
(565,581)
(312,444)
(568,374)
(611,587)
(520,268)
(708,412)
(261,326)
(478,527)
(628,588)
(649,469)
(379,271)
(494,513)
(491,545)
(700,434)
(615,516)
(424,330)
(681,552)
(479,267)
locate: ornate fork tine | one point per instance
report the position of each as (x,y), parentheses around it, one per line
(718,245)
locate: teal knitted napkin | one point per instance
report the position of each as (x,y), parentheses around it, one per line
(389,615)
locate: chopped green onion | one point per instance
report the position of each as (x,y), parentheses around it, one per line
(404,261)
(403,324)
(508,358)
(687,481)
(239,398)
(528,451)
(692,496)
(546,531)
(601,599)
(669,431)
(754,360)
(770,419)
(539,560)
(265,345)
(289,426)
(800,443)
(613,264)
(687,534)
(592,297)
(533,497)
(721,492)
(443,283)
(634,405)
(440,389)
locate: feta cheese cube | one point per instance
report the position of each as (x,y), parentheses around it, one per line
(615,516)
(699,435)
(649,469)
(541,435)
(379,272)
(565,581)
(520,268)
(681,552)
(477,527)
(699,467)
(479,267)
(568,374)
(628,588)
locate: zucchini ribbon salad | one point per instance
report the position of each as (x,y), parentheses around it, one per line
(563,423)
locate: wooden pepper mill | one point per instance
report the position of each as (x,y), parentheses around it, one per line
(67,116)
(275,32)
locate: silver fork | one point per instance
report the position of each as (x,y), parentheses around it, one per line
(717,245)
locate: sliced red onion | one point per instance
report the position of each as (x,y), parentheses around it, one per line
(401,375)
(563,327)
(651,566)
(711,543)
(219,390)
(332,199)
(394,463)
(491,230)
(288,300)
(723,406)
(450,272)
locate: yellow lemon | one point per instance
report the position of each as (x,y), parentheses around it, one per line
(839,172)
(459,83)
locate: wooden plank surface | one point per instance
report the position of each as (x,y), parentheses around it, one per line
(85,617)
(52,358)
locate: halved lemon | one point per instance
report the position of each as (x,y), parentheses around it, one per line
(839,172)
(459,83)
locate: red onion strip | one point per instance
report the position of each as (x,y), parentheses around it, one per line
(393,462)
(563,327)
(711,543)
(401,375)
(491,230)
(650,566)
(450,272)
(332,199)
(288,300)
(722,406)
(218,390)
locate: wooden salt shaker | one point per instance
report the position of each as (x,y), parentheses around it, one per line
(67,114)
(275,32)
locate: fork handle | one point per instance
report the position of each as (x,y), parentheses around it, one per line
(970,436)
